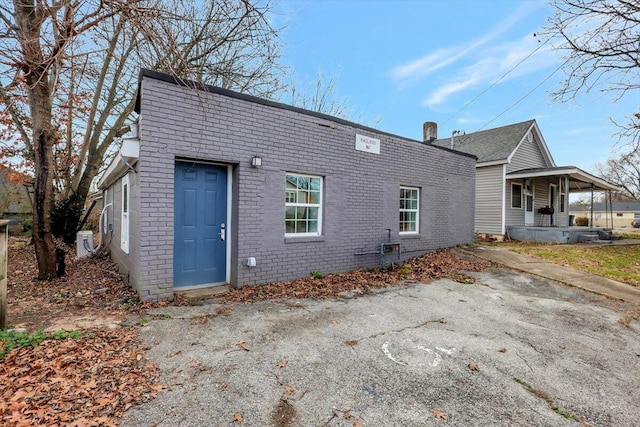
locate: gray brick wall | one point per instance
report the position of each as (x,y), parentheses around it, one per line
(361,190)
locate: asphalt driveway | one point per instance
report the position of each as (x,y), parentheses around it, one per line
(512,349)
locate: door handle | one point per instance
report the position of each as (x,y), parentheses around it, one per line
(223,232)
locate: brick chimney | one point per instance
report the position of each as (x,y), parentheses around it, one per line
(429,132)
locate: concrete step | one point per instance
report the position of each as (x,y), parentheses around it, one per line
(585,238)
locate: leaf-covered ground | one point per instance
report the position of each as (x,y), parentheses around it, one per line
(88,381)
(91,286)
(91,380)
(433,265)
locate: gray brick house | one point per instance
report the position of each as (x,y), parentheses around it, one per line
(220,187)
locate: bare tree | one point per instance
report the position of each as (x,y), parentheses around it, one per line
(601,39)
(623,171)
(68,75)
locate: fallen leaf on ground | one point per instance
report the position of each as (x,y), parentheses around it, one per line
(357,424)
(88,381)
(439,414)
(237,417)
(473,367)
(288,390)
(282,364)
(502,350)
(334,322)
(433,265)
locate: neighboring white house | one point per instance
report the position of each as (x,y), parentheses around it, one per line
(517,181)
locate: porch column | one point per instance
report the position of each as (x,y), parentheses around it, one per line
(566,200)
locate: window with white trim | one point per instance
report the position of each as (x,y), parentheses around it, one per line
(516,195)
(303,205)
(409,210)
(124,224)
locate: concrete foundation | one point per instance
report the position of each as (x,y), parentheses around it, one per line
(553,234)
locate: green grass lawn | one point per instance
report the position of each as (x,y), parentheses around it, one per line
(621,263)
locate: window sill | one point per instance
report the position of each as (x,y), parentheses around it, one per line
(304,239)
(410,236)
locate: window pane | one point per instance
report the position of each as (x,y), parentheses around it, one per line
(314,197)
(303,182)
(516,196)
(125,198)
(313,213)
(290,213)
(290,226)
(290,196)
(302,213)
(313,226)
(315,184)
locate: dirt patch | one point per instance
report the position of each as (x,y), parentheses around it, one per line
(284,415)
(92,290)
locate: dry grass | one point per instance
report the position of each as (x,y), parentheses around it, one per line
(617,262)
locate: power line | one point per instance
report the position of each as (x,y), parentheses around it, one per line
(497,81)
(524,96)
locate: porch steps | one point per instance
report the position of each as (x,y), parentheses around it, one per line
(592,238)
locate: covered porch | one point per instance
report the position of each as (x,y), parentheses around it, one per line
(542,215)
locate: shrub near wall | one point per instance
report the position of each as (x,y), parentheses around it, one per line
(582,221)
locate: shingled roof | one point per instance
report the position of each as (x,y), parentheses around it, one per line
(489,145)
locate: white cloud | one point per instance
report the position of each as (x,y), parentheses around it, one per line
(414,71)
(496,62)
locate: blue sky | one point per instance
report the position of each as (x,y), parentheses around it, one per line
(405,62)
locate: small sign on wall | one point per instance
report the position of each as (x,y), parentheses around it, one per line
(368,144)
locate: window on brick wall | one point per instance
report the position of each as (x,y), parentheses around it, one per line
(409,210)
(303,205)
(124,224)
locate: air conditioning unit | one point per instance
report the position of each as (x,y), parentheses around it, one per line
(84,244)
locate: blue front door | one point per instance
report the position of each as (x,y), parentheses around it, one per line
(200,216)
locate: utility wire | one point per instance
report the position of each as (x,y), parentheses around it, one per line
(497,81)
(524,96)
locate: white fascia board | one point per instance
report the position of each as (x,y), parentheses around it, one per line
(122,162)
(491,163)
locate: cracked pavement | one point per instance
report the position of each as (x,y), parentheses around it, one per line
(512,349)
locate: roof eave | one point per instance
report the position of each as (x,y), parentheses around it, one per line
(576,173)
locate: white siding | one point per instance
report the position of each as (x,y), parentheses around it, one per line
(527,155)
(489,190)
(513,216)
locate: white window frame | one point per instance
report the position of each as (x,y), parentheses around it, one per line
(521,193)
(289,204)
(416,210)
(125,208)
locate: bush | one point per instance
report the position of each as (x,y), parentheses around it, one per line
(582,221)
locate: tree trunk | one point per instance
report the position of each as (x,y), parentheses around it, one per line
(36,70)
(44,137)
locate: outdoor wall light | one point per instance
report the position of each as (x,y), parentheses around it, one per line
(256,161)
